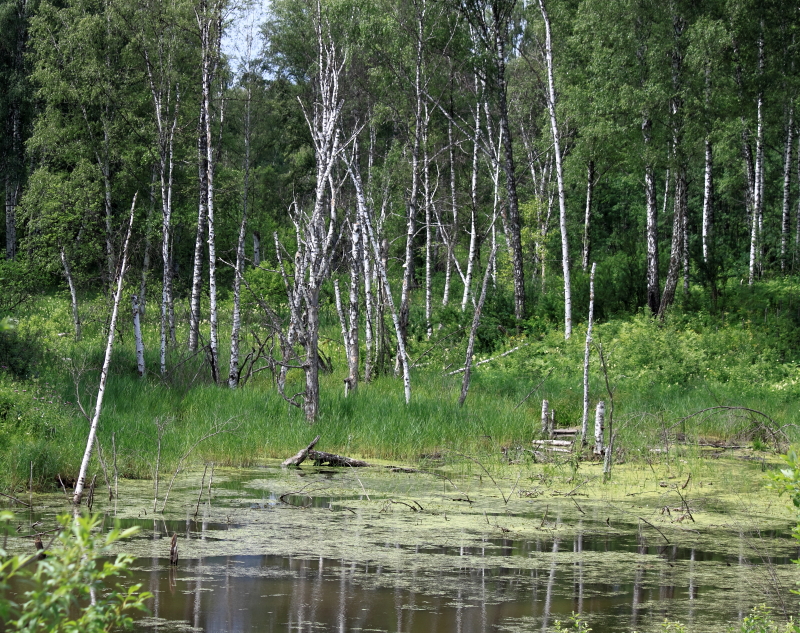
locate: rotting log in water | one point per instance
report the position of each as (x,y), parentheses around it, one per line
(301,456)
(320,459)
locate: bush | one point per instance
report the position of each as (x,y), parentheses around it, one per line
(71,581)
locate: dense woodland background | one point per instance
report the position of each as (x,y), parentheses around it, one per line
(401,187)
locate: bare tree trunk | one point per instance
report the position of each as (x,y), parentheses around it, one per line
(137,335)
(797,217)
(427,195)
(380,265)
(514,229)
(676,248)
(411,214)
(587,218)
(256,249)
(109,212)
(147,244)
(562,208)
(202,215)
(708,202)
(453,239)
(473,229)
(87,455)
(166,123)
(76,321)
(708,182)
(586,355)
(210,52)
(233,370)
(685,250)
(676,110)
(758,182)
(787,184)
(476,319)
(653,284)
(355,264)
(599,424)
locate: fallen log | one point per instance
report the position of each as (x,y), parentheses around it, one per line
(320,459)
(552,443)
(301,456)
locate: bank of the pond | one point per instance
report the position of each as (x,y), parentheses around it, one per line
(742,377)
(509,547)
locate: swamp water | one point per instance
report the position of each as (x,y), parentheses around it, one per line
(375,549)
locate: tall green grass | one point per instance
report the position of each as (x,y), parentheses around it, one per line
(743,355)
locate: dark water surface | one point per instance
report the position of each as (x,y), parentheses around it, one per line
(311,551)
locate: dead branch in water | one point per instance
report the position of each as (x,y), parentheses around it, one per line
(301,456)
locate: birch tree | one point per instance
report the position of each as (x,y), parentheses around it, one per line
(95,420)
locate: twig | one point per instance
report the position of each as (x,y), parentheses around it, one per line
(655,528)
(534,390)
(202,486)
(577,506)
(15,499)
(219,429)
(488,360)
(685,505)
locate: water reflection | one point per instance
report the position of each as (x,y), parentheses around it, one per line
(285,593)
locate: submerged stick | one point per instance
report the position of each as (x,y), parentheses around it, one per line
(200,496)
(14,499)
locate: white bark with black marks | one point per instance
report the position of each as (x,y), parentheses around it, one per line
(599,427)
(137,335)
(562,208)
(87,455)
(586,357)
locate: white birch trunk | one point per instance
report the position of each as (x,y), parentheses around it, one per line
(787,184)
(426,187)
(599,427)
(588,215)
(384,281)
(758,190)
(236,325)
(256,249)
(562,208)
(586,356)
(453,238)
(87,455)
(708,203)
(353,312)
(137,335)
(473,229)
(76,320)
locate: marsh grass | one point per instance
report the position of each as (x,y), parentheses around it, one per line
(661,374)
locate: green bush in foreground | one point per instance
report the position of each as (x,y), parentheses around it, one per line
(60,588)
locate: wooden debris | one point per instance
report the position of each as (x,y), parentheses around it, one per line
(552,443)
(320,459)
(39,547)
(173,550)
(301,456)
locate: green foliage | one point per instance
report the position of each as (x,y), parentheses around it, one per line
(760,620)
(68,591)
(575,623)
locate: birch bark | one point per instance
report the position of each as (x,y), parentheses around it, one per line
(787,185)
(87,455)
(562,208)
(586,356)
(588,215)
